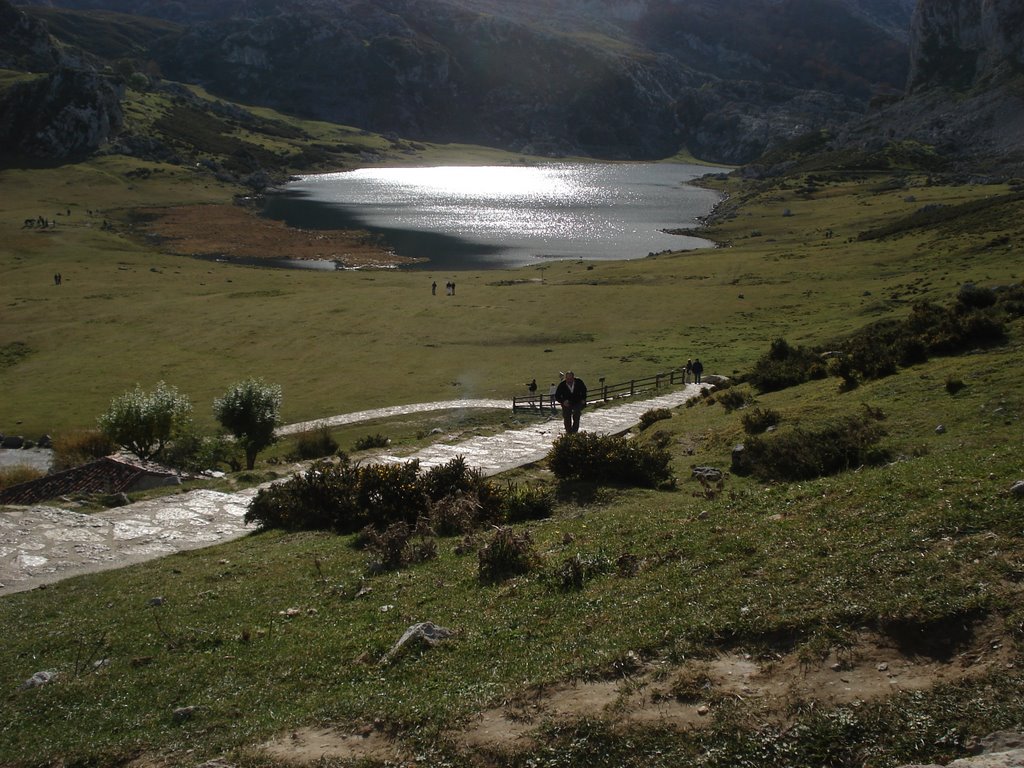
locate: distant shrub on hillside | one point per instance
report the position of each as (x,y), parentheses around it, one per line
(316,444)
(785,366)
(758,420)
(804,454)
(977,319)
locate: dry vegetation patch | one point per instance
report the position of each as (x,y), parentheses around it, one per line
(230,231)
(774,689)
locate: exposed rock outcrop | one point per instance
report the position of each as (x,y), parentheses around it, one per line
(963,43)
(65,115)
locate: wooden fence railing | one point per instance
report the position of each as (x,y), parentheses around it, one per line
(602,393)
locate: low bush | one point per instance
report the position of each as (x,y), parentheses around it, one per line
(526,502)
(785,366)
(954,385)
(193,452)
(387,493)
(371,441)
(506,554)
(324,497)
(591,457)
(316,444)
(454,515)
(397,546)
(805,454)
(731,399)
(345,498)
(758,420)
(647,418)
(575,571)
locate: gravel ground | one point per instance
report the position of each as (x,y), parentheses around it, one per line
(37,458)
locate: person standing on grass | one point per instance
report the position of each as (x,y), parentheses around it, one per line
(571,394)
(698,369)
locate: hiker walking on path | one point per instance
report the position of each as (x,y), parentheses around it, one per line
(698,369)
(572,396)
(687,371)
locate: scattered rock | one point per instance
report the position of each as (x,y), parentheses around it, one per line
(707,474)
(1003,749)
(13,441)
(1017,489)
(425,633)
(38,679)
(940,430)
(181,714)
(156,601)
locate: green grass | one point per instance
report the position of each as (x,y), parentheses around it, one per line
(908,550)
(762,568)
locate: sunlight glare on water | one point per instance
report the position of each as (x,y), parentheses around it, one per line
(519,214)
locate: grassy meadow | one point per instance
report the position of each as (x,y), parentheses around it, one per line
(920,559)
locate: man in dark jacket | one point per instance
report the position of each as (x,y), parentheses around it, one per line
(572,396)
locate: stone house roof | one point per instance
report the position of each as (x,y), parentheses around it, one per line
(119,473)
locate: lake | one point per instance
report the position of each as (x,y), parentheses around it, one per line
(489,217)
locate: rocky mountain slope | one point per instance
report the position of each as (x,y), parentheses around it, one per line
(616,79)
(727,80)
(965,98)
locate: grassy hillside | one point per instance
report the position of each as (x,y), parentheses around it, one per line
(870,617)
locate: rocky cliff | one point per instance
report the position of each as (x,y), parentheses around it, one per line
(964,104)
(66,113)
(636,79)
(964,43)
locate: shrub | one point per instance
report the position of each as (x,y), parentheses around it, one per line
(597,458)
(397,546)
(371,441)
(575,571)
(80,447)
(954,385)
(324,497)
(654,415)
(806,454)
(785,366)
(526,502)
(507,554)
(975,297)
(144,422)
(250,410)
(316,444)
(731,399)
(758,420)
(454,515)
(388,493)
(453,477)
(194,452)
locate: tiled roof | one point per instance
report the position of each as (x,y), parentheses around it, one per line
(111,474)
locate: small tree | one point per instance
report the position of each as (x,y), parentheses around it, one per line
(250,411)
(143,422)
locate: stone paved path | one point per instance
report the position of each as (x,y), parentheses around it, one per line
(40,545)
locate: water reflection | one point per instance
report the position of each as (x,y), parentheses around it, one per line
(496,216)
